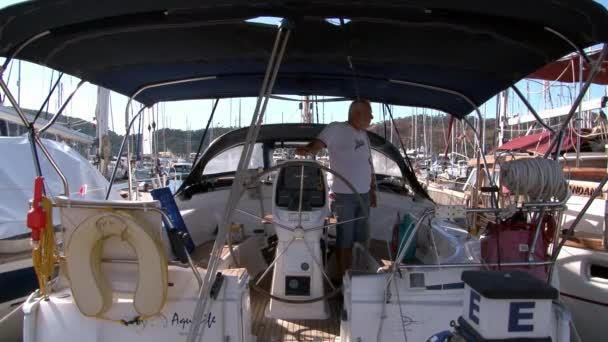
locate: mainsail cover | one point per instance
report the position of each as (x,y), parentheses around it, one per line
(17,173)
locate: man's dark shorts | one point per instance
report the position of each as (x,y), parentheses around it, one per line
(348,207)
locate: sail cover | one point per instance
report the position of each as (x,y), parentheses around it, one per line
(17,187)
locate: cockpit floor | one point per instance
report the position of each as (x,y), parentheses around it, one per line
(277,330)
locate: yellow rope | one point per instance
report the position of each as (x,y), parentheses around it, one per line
(44,253)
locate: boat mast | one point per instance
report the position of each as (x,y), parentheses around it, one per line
(504,97)
(580,112)
(424,132)
(101,115)
(306,114)
(19,83)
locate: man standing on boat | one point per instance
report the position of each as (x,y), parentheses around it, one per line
(349,155)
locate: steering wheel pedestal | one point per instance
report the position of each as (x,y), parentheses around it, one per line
(299,201)
(300,206)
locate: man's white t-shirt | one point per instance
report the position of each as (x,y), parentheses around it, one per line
(349,155)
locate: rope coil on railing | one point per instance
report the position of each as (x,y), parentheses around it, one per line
(538,178)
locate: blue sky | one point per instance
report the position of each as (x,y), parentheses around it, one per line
(36,80)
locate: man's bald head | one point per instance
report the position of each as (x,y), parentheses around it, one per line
(360,114)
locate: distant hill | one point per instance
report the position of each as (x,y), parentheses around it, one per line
(176,140)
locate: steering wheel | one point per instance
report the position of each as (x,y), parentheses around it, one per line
(298,231)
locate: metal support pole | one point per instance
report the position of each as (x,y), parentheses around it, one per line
(64,181)
(272,68)
(531,109)
(323,100)
(536,234)
(29,126)
(594,71)
(18,49)
(580,51)
(200,144)
(31,134)
(14,102)
(475,265)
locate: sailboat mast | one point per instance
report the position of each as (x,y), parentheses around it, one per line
(306,115)
(424,132)
(504,97)
(416,130)
(102,110)
(580,112)
(19,83)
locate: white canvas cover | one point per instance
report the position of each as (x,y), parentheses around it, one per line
(17,180)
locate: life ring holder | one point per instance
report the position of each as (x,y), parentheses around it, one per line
(83,257)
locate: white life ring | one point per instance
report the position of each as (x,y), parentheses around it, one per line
(90,288)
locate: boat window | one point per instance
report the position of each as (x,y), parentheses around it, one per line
(182,168)
(271,21)
(228,160)
(383,165)
(337,21)
(472,179)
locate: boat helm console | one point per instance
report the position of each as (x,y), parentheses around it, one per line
(299,203)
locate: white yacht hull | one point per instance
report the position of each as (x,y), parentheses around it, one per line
(415,313)
(583,292)
(58,319)
(420,305)
(17,281)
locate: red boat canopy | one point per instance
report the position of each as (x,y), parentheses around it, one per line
(567,70)
(539,143)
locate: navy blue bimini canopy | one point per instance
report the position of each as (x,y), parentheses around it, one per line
(474,47)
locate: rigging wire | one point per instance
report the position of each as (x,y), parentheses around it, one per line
(384,121)
(317,107)
(47,101)
(200,144)
(10,70)
(350,62)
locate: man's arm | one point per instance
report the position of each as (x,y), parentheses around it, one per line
(312,148)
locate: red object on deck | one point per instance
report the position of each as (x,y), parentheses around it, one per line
(539,143)
(568,70)
(511,242)
(36,217)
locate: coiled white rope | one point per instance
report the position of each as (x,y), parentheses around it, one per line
(541,179)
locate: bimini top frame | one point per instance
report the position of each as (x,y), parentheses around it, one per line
(473,47)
